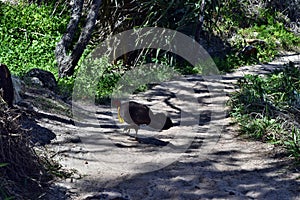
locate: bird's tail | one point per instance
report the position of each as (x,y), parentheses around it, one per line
(160,121)
(168,123)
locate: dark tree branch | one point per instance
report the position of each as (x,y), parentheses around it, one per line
(200,22)
(85,35)
(67,63)
(63,45)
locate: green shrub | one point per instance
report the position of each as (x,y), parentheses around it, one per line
(268,108)
(265,26)
(28,36)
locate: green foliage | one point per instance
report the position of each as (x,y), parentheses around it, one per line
(28,36)
(29,33)
(100,77)
(3,164)
(108,81)
(240,20)
(138,78)
(275,36)
(96,78)
(293,142)
(54,168)
(268,108)
(264,128)
(66,85)
(230,62)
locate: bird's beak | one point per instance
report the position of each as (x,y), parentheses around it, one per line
(121,120)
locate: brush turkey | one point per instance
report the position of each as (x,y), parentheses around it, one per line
(136,114)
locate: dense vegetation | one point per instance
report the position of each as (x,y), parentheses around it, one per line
(268,108)
(22,173)
(28,36)
(25,172)
(29,33)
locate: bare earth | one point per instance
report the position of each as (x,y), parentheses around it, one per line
(201,157)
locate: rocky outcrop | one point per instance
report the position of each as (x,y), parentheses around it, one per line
(18,86)
(41,78)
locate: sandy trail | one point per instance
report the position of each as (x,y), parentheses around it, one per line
(199,158)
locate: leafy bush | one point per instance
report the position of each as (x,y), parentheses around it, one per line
(268,108)
(240,21)
(29,33)
(28,36)
(275,36)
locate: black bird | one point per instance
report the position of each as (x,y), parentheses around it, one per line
(136,114)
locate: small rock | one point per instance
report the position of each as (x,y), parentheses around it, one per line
(249,51)
(105,195)
(19,87)
(73,139)
(35,81)
(43,78)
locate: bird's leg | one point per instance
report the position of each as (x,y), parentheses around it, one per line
(136,128)
(127,129)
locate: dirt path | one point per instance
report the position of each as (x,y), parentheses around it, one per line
(202,160)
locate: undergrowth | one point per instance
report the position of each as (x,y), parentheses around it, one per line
(268,108)
(22,171)
(29,33)
(25,173)
(263,29)
(28,36)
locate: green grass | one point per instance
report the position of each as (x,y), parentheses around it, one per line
(267,27)
(268,108)
(28,36)
(29,33)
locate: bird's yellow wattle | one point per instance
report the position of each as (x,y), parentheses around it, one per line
(121,120)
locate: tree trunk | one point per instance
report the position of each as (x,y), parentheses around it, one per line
(63,60)
(6,86)
(67,63)
(200,22)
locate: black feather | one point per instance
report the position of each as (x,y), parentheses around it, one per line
(135,113)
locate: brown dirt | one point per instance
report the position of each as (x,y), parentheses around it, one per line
(208,160)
